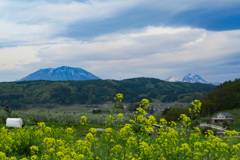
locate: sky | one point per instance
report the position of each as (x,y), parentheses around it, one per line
(124,39)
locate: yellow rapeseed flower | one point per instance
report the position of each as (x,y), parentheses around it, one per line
(34,149)
(34,157)
(83,120)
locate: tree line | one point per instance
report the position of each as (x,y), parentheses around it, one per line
(20,94)
(223,97)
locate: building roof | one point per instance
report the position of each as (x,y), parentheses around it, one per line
(226,114)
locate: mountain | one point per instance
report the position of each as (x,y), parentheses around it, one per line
(173,79)
(191,78)
(63,73)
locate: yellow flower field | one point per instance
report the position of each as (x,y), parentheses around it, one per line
(138,139)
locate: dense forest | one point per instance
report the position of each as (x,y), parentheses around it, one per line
(20,94)
(223,97)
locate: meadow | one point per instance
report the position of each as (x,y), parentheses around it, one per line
(129,138)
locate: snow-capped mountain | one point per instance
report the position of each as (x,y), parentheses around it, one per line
(173,79)
(63,73)
(191,78)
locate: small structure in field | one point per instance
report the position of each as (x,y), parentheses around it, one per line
(14,122)
(221,117)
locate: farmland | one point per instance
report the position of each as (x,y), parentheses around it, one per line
(125,137)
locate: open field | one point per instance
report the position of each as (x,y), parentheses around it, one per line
(131,141)
(70,114)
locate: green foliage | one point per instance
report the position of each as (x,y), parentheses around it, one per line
(8,111)
(166,109)
(224,96)
(174,113)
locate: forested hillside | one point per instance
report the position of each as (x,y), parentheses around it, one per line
(19,94)
(224,96)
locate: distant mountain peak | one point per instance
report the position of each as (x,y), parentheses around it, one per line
(174,79)
(191,78)
(63,73)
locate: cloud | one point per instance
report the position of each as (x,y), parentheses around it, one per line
(13,34)
(63,12)
(148,52)
(14,58)
(152,51)
(152,41)
(23,22)
(122,39)
(175,7)
(59,18)
(38,22)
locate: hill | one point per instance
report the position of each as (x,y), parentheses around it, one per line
(223,97)
(20,94)
(63,73)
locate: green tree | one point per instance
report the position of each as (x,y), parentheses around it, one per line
(174,113)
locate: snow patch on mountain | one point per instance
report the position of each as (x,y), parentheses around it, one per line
(174,79)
